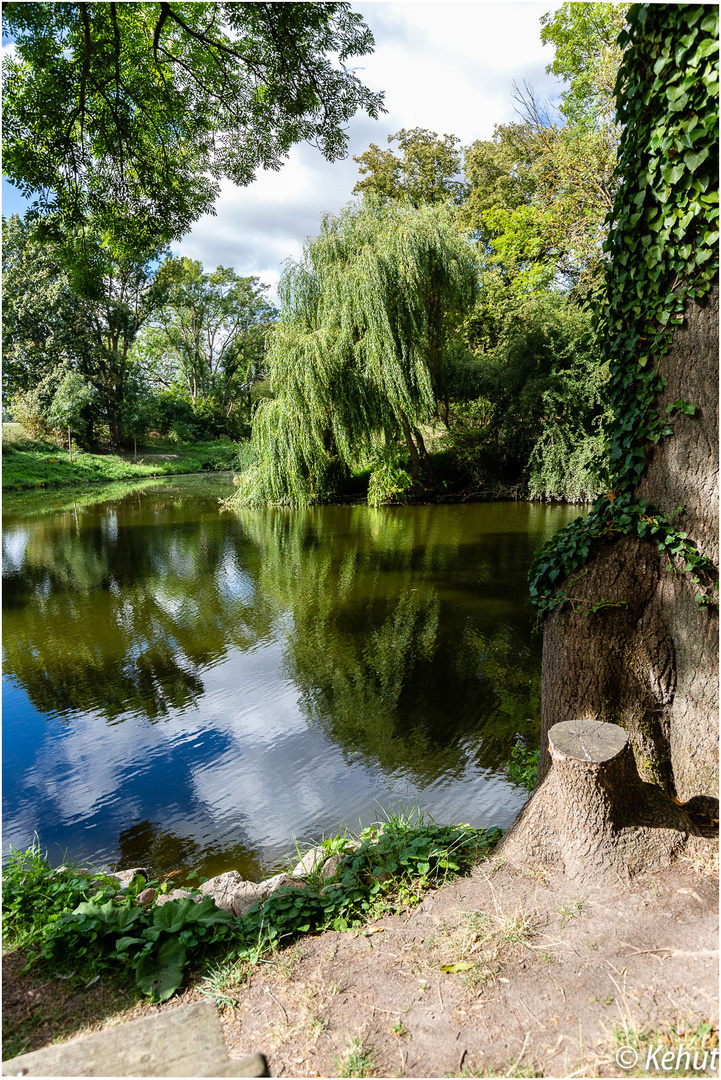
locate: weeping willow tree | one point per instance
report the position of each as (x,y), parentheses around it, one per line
(367,329)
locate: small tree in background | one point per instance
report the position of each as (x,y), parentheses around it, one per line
(71,397)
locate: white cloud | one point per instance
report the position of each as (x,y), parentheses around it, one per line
(448,67)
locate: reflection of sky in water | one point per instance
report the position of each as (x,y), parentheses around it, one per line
(235,766)
(241,765)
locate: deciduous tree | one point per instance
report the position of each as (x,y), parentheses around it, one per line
(367,320)
(426,170)
(130,114)
(209,334)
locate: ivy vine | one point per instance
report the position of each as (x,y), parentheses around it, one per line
(662,252)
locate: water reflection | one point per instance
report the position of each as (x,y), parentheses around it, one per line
(185,686)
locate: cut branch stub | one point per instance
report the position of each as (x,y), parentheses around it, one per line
(588,741)
(593,814)
(595,776)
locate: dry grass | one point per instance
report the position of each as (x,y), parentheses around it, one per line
(481,942)
(705,860)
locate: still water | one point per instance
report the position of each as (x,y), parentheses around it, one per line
(186,687)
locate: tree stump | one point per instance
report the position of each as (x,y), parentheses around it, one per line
(593,815)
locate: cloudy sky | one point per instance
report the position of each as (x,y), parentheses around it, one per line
(448,67)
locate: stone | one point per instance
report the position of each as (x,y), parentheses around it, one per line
(330,867)
(279,880)
(146,896)
(126,876)
(253,1065)
(184,1041)
(246,894)
(312,860)
(222,888)
(174,894)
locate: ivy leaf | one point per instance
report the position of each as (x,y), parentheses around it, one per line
(692,161)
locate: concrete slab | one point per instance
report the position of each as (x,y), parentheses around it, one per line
(187,1041)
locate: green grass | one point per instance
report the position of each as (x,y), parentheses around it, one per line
(29,466)
(357,1059)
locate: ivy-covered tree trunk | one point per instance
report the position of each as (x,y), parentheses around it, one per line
(651,665)
(630,591)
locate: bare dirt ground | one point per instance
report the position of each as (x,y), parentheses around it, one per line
(542,979)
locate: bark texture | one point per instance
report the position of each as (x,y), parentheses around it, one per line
(649,664)
(593,816)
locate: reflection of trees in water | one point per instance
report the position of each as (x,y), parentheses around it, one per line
(119,608)
(384,668)
(398,651)
(161,851)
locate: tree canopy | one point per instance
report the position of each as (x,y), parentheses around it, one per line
(426,171)
(365,330)
(209,334)
(541,188)
(73,304)
(130,114)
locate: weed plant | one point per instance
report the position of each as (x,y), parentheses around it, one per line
(522,768)
(71,917)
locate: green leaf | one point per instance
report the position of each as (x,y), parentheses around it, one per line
(160,973)
(452,969)
(692,160)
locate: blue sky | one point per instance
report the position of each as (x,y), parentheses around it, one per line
(448,67)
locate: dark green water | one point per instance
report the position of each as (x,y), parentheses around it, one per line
(187,687)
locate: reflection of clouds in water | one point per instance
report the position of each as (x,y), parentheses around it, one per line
(90,766)
(270,779)
(14,546)
(234,582)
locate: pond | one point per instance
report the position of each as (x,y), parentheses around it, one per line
(187,687)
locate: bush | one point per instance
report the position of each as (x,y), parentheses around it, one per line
(170,409)
(471,438)
(389,480)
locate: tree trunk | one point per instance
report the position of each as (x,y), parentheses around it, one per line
(432,474)
(70,443)
(413,451)
(649,662)
(593,816)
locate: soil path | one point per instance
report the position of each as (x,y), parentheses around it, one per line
(546,979)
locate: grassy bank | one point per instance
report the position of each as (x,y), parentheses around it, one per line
(29,466)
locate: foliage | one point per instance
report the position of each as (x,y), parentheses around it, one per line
(208,336)
(31,407)
(425,172)
(523,766)
(44,326)
(540,415)
(75,299)
(394,862)
(33,894)
(663,254)
(361,343)
(71,917)
(389,481)
(587,56)
(540,188)
(70,399)
(37,465)
(128,115)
